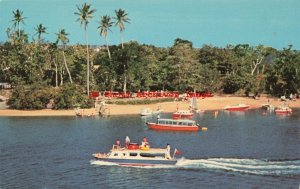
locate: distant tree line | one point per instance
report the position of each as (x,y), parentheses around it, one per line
(41,70)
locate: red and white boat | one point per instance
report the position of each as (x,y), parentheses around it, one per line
(283,110)
(135,155)
(182,114)
(174,125)
(238,107)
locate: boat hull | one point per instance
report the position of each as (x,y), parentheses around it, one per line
(137,162)
(237,108)
(283,111)
(162,127)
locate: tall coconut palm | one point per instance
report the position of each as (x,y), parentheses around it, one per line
(40,30)
(105,24)
(18,18)
(121,18)
(62,36)
(85,14)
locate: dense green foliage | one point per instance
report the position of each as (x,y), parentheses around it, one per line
(64,69)
(38,95)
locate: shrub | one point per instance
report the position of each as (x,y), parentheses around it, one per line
(70,96)
(37,96)
(31,98)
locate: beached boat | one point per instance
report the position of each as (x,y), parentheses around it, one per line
(149,111)
(174,125)
(182,114)
(146,112)
(268,107)
(135,155)
(238,107)
(283,110)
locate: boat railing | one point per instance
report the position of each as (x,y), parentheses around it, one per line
(116,147)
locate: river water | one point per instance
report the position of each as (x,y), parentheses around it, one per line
(239,150)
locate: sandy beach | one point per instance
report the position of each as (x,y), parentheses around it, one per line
(212,103)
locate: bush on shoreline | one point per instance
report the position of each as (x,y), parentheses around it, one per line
(37,96)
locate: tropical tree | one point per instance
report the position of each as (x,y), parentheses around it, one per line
(40,29)
(105,24)
(51,59)
(85,14)
(121,18)
(182,57)
(18,18)
(62,36)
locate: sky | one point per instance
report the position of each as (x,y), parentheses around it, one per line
(159,22)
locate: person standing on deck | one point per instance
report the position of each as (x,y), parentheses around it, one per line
(168,150)
(127,141)
(118,143)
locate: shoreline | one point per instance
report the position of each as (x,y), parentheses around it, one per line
(215,103)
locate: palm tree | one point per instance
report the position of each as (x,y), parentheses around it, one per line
(104,27)
(62,37)
(85,13)
(40,29)
(121,18)
(18,18)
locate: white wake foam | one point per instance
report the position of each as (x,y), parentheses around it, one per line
(248,166)
(97,162)
(252,166)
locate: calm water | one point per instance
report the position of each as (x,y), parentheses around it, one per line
(239,150)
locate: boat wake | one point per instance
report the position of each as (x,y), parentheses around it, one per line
(97,162)
(247,166)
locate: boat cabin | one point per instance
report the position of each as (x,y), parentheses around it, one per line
(178,122)
(134,153)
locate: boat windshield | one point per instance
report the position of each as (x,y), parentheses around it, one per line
(151,155)
(176,122)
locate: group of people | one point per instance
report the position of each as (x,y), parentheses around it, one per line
(144,142)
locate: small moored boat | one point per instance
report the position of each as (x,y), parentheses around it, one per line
(283,110)
(238,107)
(182,114)
(173,125)
(268,107)
(135,155)
(146,112)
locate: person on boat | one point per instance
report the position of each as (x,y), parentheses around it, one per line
(145,142)
(168,150)
(158,117)
(127,141)
(118,143)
